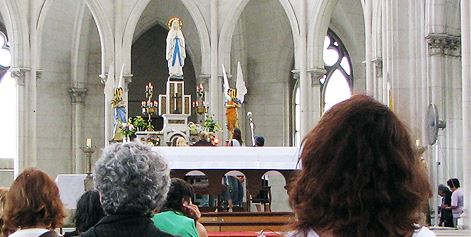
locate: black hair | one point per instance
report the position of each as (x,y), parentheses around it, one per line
(453,183)
(179,190)
(89,211)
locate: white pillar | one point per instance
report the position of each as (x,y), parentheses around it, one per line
(215,103)
(370,82)
(26,100)
(304,84)
(77,99)
(466,100)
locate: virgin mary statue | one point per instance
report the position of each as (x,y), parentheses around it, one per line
(175,49)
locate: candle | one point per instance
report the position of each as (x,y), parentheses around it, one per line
(147,88)
(89,142)
(143,103)
(417,142)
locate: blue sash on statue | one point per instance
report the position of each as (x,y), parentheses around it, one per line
(176,52)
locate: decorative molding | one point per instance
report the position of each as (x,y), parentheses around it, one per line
(378,62)
(20,75)
(77,95)
(443,44)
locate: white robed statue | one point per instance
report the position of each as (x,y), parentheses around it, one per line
(175,48)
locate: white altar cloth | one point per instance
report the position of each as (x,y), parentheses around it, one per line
(71,187)
(266,158)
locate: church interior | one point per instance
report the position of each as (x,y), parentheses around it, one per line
(285,62)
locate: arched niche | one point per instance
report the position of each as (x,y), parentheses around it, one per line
(200,182)
(69,57)
(263,43)
(277,184)
(149,65)
(234,197)
(148,51)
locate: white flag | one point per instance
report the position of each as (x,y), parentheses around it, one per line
(240,84)
(226,81)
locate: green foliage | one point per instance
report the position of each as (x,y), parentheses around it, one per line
(211,125)
(139,123)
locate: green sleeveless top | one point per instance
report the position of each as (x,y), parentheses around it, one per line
(175,223)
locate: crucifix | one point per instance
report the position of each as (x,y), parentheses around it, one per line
(177,100)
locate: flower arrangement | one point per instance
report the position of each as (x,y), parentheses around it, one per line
(211,125)
(138,122)
(128,130)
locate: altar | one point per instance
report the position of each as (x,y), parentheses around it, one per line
(213,164)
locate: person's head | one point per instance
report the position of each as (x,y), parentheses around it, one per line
(132,179)
(259,141)
(359,175)
(442,190)
(453,183)
(3,194)
(179,193)
(89,211)
(237,134)
(181,141)
(33,201)
(203,136)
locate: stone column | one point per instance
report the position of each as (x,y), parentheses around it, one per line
(215,95)
(77,97)
(25,150)
(439,45)
(466,105)
(304,84)
(316,99)
(370,82)
(108,120)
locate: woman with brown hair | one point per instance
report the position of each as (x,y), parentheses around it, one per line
(33,207)
(3,194)
(360,176)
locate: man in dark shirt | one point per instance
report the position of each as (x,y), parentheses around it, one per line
(446,216)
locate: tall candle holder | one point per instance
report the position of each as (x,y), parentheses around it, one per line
(200,105)
(88,150)
(148,106)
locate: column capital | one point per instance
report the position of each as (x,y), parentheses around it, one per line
(127,78)
(296,74)
(316,75)
(77,95)
(19,74)
(443,44)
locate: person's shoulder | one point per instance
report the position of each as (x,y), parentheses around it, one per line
(423,232)
(89,233)
(302,233)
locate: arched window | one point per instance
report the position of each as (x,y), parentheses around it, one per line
(338,81)
(8,107)
(336,84)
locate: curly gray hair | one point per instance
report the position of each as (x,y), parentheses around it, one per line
(131,179)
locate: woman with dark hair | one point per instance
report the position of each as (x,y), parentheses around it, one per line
(179,216)
(88,213)
(33,206)
(236,138)
(359,176)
